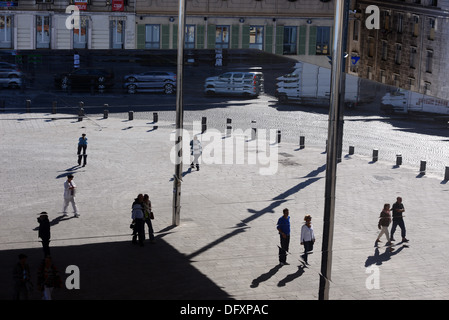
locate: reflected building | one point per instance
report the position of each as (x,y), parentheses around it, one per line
(410,48)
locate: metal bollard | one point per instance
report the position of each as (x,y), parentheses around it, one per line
(228,126)
(279,136)
(28,105)
(302,142)
(155,117)
(130,115)
(422,167)
(375,155)
(351,150)
(399,159)
(105,113)
(54,106)
(203,124)
(446,174)
(253,133)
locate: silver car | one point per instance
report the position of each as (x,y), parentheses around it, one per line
(151,81)
(10,78)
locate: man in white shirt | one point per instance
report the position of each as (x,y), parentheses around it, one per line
(69,196)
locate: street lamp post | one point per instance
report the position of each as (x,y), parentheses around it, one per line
(179,116)
(335,121)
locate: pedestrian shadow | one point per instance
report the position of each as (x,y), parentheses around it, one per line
(266,276)
(292,276)
(56,220)
(379,258)
(68,171)
(188,171)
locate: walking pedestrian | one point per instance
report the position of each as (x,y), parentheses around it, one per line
(307,237)
(82,146)
(69,196)
(148,216)
(48,278)
(137,217)
(22,279)
(384,222)
(44,232)
(195,150)
(283,227)
(398,219)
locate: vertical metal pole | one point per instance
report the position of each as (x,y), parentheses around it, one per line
(332,148)
(179,115)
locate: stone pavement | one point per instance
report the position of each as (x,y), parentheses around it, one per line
(226,244)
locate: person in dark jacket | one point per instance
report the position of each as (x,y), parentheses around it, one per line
(44,232)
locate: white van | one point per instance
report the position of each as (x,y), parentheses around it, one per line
(235,83)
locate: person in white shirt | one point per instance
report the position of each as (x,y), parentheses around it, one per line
(69,196)
(307,237)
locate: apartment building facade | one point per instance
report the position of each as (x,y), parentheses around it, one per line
(410,48)
(298,28)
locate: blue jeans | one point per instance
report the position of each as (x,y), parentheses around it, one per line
(401,224)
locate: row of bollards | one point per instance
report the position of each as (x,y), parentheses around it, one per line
(422,165)
(81,115)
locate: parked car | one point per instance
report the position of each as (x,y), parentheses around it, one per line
(9,82)
(236,83)
(151,81)
(10,73)
(85,78)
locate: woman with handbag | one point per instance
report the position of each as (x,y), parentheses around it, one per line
(148,216)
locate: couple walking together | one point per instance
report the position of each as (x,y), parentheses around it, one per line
(307,236)
(385,220)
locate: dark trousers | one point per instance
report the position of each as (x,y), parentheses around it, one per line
(84,155)
(285,242)
(46,247)
(401,224)
(150,229)
(138,231)
(308,246)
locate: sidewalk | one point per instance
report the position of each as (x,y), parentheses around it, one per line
(226,244)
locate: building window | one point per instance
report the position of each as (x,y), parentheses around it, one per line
(322,40)
(189,41)
(117,34)
(386,16)
(413,57)
(290,40)
(382,76)
(415,32)
(80,35)
(42,32)
(427,88)
(152,36)
(222,37)
(355,33)
(384,50)
(371,47)
(429,61)
(432,23)
(396,80)
(411,83)
(398,55)
(400,24)
(6,27)
(256,37)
